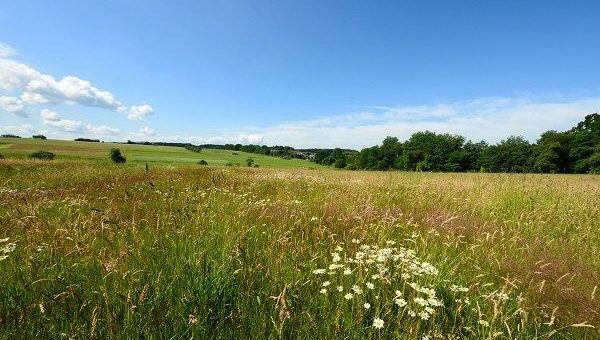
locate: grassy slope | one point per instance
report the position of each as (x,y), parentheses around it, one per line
(70,150)
(112,252)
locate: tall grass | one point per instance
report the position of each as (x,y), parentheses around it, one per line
(103,251)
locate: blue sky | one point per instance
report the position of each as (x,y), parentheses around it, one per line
(300,73)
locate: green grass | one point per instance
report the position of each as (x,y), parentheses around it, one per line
(86,151)
(110,251)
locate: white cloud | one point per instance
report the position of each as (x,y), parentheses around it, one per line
(49,116)
(53,119)
(12,105)
(140,111)
(102,130)
(71,90)
(489,119)
(143,132)
(6,50)
(38,88)
(23,129)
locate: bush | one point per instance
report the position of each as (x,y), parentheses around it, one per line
(39,137)
(116,156)
(10,136)
(202,162)
(41,154)
(250,162)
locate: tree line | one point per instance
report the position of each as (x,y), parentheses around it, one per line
(573,151)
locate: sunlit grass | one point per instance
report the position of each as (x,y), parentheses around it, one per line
(111,251)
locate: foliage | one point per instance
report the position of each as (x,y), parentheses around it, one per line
(87,140)
(38,137)
(116,156)
(249,162)
(202,162)
(8,135)
(554,152)
(41,154)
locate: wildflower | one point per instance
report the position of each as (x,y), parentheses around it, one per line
(378,323)
(334,266)
(400,302)
(500,296)
(323,291)
(338,248)
(336,257)
(424,315)
(483,323)
(412,313)
(314,218)
(319,271)
(355,241)
(347,271)
(455,289)
(421,301)
(348,296)
(326,283)
(340,289)
(192,320)
(370,285)
(367,305)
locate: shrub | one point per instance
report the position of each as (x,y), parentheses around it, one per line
(116,156)
(39,137)
(41,154)
(10,136)
(202,162)
(87,140)
(250,162)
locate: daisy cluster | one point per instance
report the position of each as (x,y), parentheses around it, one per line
(389,280)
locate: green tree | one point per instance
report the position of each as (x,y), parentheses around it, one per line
(510,155)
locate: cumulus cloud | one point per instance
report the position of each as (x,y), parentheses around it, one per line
(140,111)
(53,119)
(12,105)
(36,87)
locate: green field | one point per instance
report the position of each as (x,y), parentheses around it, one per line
(86,151)
(89,249)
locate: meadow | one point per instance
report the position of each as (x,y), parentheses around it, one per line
(96,250)
(140,154)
